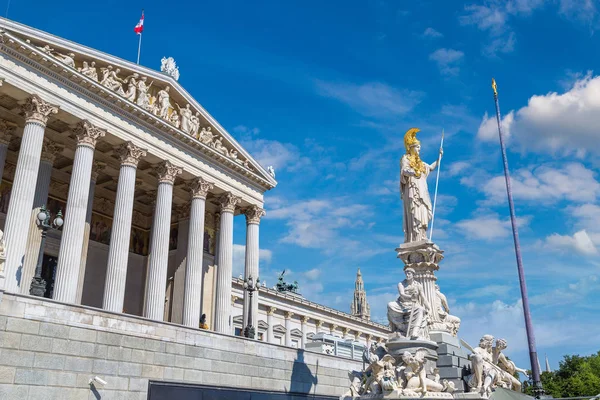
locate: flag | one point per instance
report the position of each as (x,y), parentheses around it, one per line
(140,25)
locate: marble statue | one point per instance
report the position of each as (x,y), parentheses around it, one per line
(67,59)
(450,322)
(194,124)
(89,70)
(169,67)
(414,191)
(218,146)
(131,87)
(46,49)
(271,171)
(507,366)
(206,136)
(404,375)
(414,376)
(143,100)
(186,118)
(174,119)
(163,103)
(111,80)
(355,384)
(485,375)
(408,314)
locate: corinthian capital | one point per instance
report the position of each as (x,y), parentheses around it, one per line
(88,134)
(228,202)
(38,110)
(199,188)
(50,150)
(254,214)
(130,154)
(167,172)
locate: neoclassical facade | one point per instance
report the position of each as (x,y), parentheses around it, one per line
(148,182)
(288,319)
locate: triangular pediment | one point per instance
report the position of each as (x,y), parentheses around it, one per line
(279,328)
(151,97)
(296,332)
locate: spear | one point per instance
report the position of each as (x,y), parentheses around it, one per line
(437,181)
(533,358)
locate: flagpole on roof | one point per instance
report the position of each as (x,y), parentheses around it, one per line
(139,48)
(139,28)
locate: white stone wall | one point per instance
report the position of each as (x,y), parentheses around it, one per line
(50,350)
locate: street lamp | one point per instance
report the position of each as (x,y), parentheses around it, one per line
(250,286)
(38,284)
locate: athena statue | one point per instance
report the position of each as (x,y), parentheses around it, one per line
(414,191)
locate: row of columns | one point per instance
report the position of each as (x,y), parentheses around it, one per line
(34,164)
(303,328)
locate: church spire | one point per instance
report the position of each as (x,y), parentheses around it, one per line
(360,308)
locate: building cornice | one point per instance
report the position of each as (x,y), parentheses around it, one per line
(53,67)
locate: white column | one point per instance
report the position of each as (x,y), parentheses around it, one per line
(368,339)
(49,152)
(118,253)
(69,255)
(303,322)
(332,329)
(6,135)
(159,248)
(253,216)
(318,325)
(288,328)
(270,312)
(16,227)
(97,167)
(193,273)
(224,270)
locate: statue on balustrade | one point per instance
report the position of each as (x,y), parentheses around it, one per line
(408,314)
(414,191)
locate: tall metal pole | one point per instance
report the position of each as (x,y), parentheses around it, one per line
(533,358)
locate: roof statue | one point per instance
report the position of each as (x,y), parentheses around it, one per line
(169,67)
(271,171)
(282,286)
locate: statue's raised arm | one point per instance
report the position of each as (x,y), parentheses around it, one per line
(414,191)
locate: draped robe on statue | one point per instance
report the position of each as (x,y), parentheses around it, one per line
(414,193)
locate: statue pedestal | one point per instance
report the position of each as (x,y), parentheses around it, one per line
(424,257)
(453,361)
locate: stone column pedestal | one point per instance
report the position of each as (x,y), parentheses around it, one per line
(424,257)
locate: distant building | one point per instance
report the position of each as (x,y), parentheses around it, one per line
(360,308)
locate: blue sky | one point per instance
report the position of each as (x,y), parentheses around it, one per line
(324,92)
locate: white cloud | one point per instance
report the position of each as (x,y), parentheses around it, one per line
(373,99)
(587,215)
(492,291)
(313,274)
(579,242)
(562,122)
(239,258)
(432,33)
(276,154)
(458,167)
(324,224)
(488,129)
(447,60)
(244,130)
(488,227)
(545,184)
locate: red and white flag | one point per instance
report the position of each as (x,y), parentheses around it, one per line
(140,25)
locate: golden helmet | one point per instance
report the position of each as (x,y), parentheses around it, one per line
(410,138)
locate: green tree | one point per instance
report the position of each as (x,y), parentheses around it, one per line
(576,376)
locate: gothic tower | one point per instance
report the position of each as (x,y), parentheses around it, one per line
(360,308)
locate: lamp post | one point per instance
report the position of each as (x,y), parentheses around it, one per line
(38,284)
(250,286)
